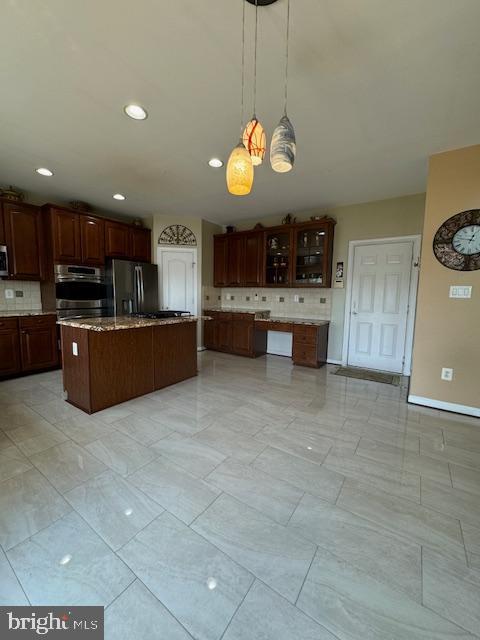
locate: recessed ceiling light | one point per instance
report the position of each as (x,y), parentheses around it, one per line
(43,171)
(216,163)
(135,111)
(118,196)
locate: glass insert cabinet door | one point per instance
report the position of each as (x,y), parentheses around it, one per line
(310,247)
(278,257)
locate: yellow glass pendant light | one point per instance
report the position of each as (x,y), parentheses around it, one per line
(240,171)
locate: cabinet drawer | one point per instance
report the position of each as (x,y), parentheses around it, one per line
(31,322)
(279,326)
(243,316)
(8,324)
(305,330)
(301,339)
(305,354)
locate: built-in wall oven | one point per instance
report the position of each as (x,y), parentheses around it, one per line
(81,292)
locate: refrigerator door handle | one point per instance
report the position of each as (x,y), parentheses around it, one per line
(142,287)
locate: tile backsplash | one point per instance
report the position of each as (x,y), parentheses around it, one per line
(26,296)
(293,303)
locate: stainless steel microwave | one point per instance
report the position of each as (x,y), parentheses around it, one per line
(3,260)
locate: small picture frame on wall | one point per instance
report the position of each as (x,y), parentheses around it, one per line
(339,276)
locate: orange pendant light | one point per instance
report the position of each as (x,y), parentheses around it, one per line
(255,141)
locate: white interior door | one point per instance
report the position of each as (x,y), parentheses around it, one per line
(379,307)
(178,279)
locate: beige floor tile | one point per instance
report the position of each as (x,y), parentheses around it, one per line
(67,465)
(453,502)
(190,454)
(121,453)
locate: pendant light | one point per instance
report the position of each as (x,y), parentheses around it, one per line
(239,166)
(254,137)
(283,148)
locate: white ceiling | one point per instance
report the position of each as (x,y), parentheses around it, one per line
(376,86)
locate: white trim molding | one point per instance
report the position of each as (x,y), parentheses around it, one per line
(330,361)
(412,300)
(445,406)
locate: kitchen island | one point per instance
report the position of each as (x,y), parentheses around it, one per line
(107,361)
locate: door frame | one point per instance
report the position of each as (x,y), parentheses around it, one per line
(412,297)
(176,248)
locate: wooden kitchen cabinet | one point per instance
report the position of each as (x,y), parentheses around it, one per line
(66,240)
(210,331)
(28,344)
(92,236)
(289,255)
(10,362)
(220,261)
(224,332)
(117,240)
(38,342)
(24,240)
(243,328)
(253,259)
(2,226)
(140,244)
(174,353)
(234,333)
(310,345)
(235,259)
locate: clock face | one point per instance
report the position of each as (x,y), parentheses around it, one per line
(457,242)
(467,240)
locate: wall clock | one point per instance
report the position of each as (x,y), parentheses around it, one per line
(179,235)
(457,242)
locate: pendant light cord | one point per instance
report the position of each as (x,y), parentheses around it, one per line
(286,55)
(243,69)
(255,63)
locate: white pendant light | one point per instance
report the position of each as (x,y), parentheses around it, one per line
(283,148)
(240,167)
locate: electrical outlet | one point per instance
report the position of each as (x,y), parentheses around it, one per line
(255,297)
(9,294)
(295,298)
(447,374)
(228,296)
(75,348)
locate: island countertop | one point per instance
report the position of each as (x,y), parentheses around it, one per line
(123,322)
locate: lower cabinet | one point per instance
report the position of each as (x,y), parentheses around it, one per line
(28,344)
(234,333)
(174,353)
(310,345)
(10,362)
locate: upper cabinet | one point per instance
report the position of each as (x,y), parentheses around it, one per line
(64,226)
(2,226)
(220,261)
(140,244)
(117,240)
(313,247)
(293,255)
(253,259)
(92,235)
(23,236)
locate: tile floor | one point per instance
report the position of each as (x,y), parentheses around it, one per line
(257,500)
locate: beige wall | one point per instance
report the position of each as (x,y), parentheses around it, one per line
(379,219)
(447,330)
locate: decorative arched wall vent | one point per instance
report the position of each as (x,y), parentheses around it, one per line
(177,234)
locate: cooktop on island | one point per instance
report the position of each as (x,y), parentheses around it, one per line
(157,315)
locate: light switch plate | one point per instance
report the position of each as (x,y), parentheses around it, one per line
(460,291)
(75,348)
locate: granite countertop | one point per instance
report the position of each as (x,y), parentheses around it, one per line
(122,322)
(260,314)
(21,314)
(312,321)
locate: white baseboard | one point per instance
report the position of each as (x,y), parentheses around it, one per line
(201,348)
(445,406)
(329,361)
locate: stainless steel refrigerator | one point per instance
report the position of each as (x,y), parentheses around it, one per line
(133,287)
